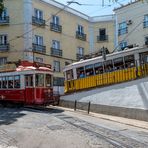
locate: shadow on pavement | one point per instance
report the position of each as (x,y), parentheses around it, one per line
(10,115)
(48,110)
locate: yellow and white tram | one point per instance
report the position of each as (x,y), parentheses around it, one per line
(116,68)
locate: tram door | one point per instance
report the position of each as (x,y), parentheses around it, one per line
(29,89)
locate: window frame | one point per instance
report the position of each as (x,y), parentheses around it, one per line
(56,66)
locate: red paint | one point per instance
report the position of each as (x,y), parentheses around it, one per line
(28,96)
(12,95)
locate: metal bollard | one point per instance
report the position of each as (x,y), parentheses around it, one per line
(88,107)
(75,105)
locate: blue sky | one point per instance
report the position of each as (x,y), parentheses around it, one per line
(95,8)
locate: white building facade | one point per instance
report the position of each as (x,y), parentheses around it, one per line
(132,25)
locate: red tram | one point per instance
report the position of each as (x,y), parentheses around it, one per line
(29,84)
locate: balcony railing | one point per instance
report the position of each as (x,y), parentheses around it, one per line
(4,20)
(55,27)
(39,48)
(79,56)
(38,21)
(4,47)
(145,24)
(56,52)
(80,35)
(102,38)
(123,31)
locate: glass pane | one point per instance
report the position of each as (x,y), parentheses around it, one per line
(48,80)
(4,82)
(10,82)
(129,61)
(40,80)
(16,81)
(69,74)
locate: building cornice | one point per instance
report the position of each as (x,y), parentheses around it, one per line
(103,18)
(78,13)
(131,3)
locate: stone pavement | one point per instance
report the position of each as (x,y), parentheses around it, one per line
(132,122)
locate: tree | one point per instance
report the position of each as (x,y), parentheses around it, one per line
(1,6)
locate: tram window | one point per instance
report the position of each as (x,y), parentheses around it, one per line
(10,82)
(0,82)
(39,80)
(98,68)
(108,66)
(48,80)
(16,81)
(89,70)
(80,72)
(118,63)
(129,61)
(4,82)
(29,80)
(69,74)
(144,57)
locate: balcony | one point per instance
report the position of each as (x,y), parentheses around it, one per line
(4,20)
(56,52)
(4,47)
(81,36)
(145,24)
(55,27)
(39,48)
(38,21)
(122,31)
(79,56)
(102,38)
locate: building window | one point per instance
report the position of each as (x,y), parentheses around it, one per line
(146,40)
(3,39)
(80,33)
(38,13)
(3,60)
(80,29)
(38,40)
(145,23)
(56,66)
(38,59)
(55,20)
(102,35)
(80,50)
(122,28)
(80,53)
(55,44)
(58,81)
(123,45)
(4,14)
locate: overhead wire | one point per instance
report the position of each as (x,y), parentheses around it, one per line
(65,6)
(68,34)
(22,35)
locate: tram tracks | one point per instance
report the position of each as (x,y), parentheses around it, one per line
(112,137)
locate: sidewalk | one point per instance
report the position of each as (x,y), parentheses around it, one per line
(132,122)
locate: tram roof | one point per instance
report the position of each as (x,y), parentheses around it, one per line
(25,72)
(108,57)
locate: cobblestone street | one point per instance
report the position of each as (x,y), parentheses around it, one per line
(58,128)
